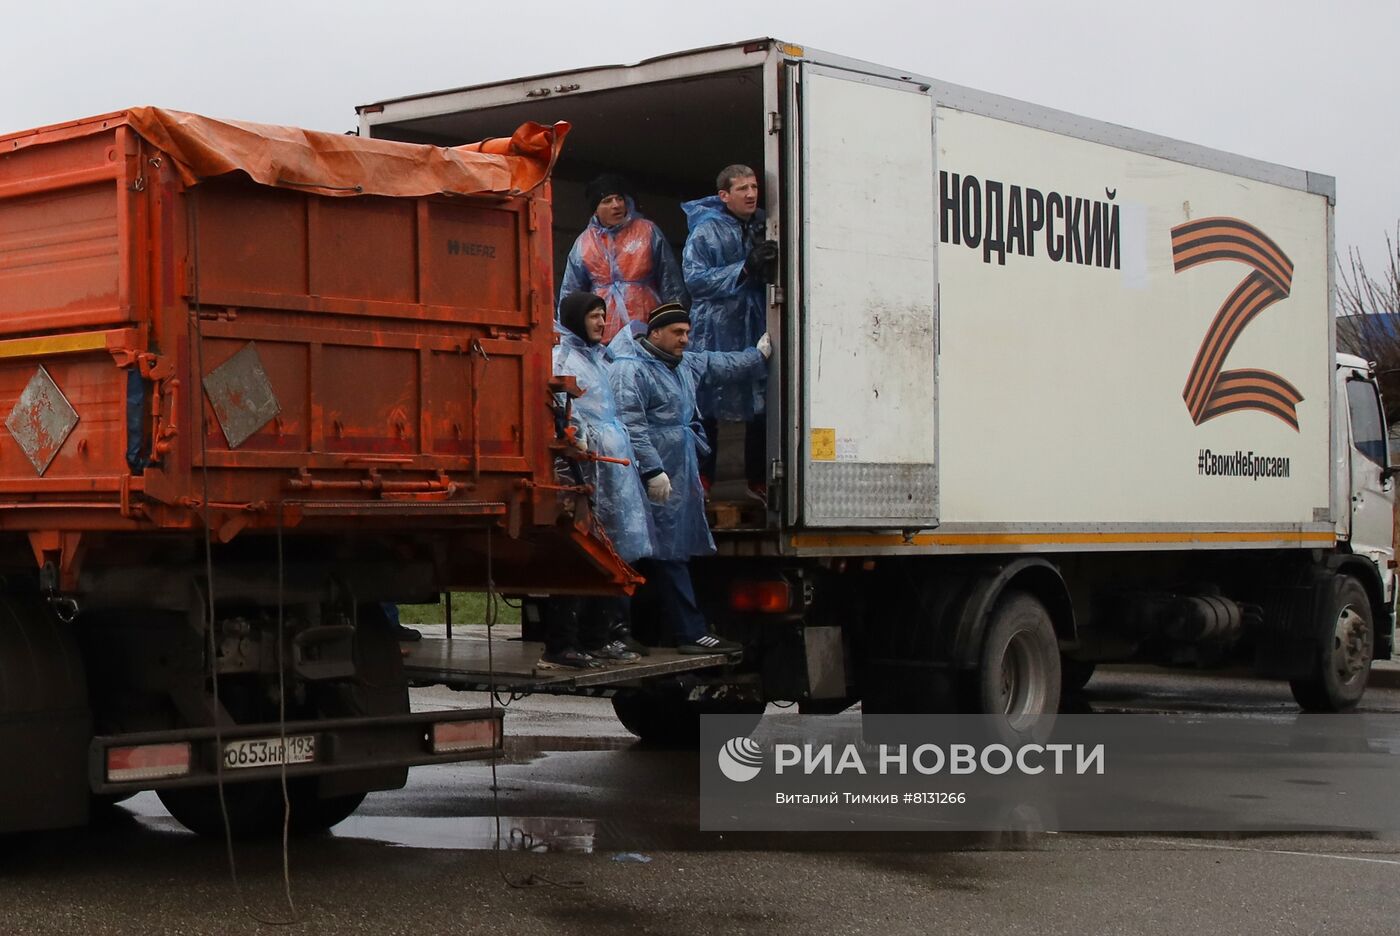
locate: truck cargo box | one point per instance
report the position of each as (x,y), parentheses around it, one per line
(1001,326)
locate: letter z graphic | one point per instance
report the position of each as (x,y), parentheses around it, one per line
(1211,391)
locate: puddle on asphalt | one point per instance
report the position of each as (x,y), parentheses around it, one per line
(474,833)
(543,834)
(524,749)
(581,835)
(578,835)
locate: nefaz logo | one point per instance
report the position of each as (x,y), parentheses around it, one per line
(458,248)
(1210,390)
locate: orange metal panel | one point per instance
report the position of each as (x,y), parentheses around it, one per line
(400,346)
(365,248)
(471,257)
(370,400)
(60,255)
(249,238)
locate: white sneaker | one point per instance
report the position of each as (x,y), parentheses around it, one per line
(709,643)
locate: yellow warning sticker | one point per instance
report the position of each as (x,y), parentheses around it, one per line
(823,445)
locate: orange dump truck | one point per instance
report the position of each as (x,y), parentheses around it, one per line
(256,381)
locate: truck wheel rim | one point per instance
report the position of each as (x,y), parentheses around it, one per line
(1351,645)
(1022,681)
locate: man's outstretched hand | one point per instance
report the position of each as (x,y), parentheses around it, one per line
(659,489)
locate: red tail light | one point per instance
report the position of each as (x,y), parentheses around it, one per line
(451,737)
(147,762)
(762,597)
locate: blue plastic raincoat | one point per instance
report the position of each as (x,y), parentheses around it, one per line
(657,405)
(726,314)
(629,265)
(619,501)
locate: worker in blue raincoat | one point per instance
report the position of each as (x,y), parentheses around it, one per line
(727,265)
(579,633)
(655,380)
(622,257)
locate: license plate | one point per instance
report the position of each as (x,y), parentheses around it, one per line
(270,752)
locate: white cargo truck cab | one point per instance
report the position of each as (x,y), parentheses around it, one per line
(1047,391)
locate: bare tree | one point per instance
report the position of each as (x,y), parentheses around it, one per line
(1368,319)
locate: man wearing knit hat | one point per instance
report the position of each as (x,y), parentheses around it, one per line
(655,382)
(621,257)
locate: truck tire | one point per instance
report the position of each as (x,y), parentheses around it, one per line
(380,688)
(664,717)
(1018,670)
(45,719)
(1346,644)
(256,810)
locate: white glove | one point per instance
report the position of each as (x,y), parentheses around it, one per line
(765,346)
(659,489)
(579,442)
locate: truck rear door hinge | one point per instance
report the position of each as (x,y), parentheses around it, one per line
(775,122)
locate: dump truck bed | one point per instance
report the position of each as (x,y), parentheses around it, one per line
(366,326)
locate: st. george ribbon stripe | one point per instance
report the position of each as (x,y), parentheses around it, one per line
(1208,227)
(1249,298)
(1209,391)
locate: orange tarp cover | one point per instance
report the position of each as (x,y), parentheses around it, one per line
(338,164)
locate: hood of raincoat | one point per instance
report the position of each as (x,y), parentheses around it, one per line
(700,210)
(567,339)
(624,343)
(711,208)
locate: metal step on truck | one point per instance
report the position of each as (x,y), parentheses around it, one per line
(1047,391)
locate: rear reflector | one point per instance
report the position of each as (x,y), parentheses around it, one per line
(147,762)
(451,737)
(763,597)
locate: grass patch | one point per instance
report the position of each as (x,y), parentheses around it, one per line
(467,608)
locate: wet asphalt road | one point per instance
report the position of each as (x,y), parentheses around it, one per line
(575,792)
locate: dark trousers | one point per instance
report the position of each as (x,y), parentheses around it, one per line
(575,623)
(677,597)
(755,450)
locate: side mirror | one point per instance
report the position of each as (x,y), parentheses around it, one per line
(1388,473)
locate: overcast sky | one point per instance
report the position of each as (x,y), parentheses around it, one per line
(1305,83)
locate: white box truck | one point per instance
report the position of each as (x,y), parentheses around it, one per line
(1047,391)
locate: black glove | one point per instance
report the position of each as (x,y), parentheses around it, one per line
(760,256)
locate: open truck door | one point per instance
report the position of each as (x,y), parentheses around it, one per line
(1367,465)
(865,279)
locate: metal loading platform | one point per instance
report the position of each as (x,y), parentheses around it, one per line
(463,663)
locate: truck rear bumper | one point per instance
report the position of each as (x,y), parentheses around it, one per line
(192,757)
